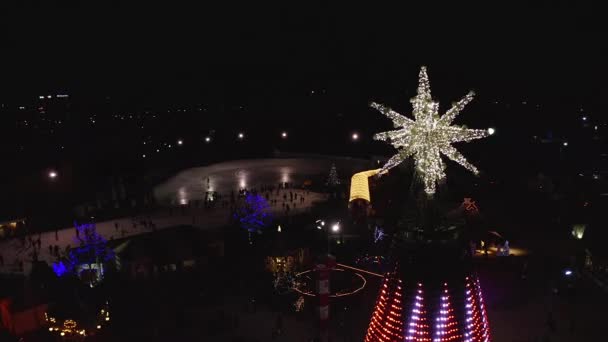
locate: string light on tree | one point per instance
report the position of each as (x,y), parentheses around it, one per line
(429,135)
(333,179)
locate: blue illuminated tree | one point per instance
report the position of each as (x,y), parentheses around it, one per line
(92,250)
(254,213)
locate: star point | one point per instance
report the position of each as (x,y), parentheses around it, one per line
(428,136)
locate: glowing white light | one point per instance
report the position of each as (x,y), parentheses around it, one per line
(52,174)
(355,136)
(279,228)
(284,135)
(584,118)
(207,139)
(143,156)
(180,142)
(241,135)
(242,184)
(568,272)
(491,131)
(335,228)
(428,135)
(49,96)
(41,97)
(565,143)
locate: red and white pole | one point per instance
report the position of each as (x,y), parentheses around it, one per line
(323,268)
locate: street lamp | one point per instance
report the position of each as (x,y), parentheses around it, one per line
(336,227)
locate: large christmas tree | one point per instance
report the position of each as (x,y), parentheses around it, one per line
(432,293)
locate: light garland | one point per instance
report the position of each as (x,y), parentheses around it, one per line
(399,317)
(69,327)
(476,326)
(428,136)
(387,319)
(446,328)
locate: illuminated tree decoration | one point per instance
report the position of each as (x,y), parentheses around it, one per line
(333,179)
(428,136)
(254,213)
(92,250)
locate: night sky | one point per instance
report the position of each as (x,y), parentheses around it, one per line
(550,51)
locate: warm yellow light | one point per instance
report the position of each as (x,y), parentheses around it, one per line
(107,318)
(359,185)
(578,230)
(51,329)
(99,327)
(62,333)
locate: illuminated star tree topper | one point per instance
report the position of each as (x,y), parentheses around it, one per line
(428,136)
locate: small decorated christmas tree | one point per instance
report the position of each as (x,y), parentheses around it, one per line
(333,179)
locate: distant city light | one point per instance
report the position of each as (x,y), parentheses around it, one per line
(41,97)
(157,150)
(207,139)
(63,95)
(595,128)
(241,135)
(284,135)
(584,118)
(143,156)
(491,131)
(355,136)
(565,143)
(568,272)
(49,96)
(52,174)
(180,142)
